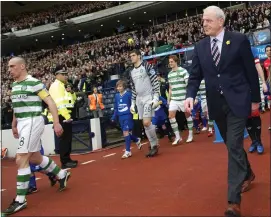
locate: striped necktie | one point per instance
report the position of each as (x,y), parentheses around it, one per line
(215,52)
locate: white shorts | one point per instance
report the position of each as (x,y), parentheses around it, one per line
(144,107)
(30,131)
(204,107)
(176,106)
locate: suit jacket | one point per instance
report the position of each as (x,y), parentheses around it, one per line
(236,74)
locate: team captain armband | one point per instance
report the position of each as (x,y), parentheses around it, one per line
(43,94)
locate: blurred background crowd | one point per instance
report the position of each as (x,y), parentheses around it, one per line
(93,62)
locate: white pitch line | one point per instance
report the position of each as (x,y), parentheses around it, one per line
(3,190)
(38,179)
(87,162)
(109,155)
(67,169)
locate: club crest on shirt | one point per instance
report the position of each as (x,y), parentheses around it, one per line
(152,71)
(24,87)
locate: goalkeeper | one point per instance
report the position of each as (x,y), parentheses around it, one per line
(145,96)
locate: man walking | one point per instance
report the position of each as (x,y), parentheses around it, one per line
(145,96)
(28,126)
(64,106)
(225,60)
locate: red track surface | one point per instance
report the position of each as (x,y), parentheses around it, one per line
(187,180)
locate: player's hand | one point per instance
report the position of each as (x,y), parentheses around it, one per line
(265,88)
(196,102)
(255,106)
(15,132)
(58,129)
(155,103)
(189,104)
(68,121)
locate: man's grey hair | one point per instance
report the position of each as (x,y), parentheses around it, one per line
(218,11)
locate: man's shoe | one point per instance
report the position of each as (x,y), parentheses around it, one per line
(15,206)
(253,147)
(153,151)
(63,182)
(233,210)
(69,165)
(53,180)
(32,190)
(74,161)
(138,143)
(247,184)
(260,148)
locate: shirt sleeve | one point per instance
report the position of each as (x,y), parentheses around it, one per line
(153,77)
(257,60)
(132,87)
(40,90)
(186,77)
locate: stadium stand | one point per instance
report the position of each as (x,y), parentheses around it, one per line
(51,15)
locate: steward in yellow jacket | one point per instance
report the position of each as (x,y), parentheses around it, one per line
(64,103)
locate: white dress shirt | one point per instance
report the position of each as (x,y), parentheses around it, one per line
(219,42)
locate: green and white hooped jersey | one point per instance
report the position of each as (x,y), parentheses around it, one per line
(25,100)
(202,90)
(178,81)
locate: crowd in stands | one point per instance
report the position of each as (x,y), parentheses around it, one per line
(53,14)
(95,61)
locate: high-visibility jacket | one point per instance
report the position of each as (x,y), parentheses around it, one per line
(61,97)
(93,103)
(135,116)
(48,115)
(72,97)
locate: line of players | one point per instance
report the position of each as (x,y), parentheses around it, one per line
(146,101)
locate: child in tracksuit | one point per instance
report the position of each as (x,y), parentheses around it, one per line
(122,106)
(160,120)
(36,168)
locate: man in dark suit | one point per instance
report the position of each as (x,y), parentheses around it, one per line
(226,62)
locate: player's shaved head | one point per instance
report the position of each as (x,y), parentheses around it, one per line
(18,60)
(17,67)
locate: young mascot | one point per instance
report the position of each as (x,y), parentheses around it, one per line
(160,119)
(122,112)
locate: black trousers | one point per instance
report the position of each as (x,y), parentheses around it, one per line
(232,131)
(138,128)
(65,141)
